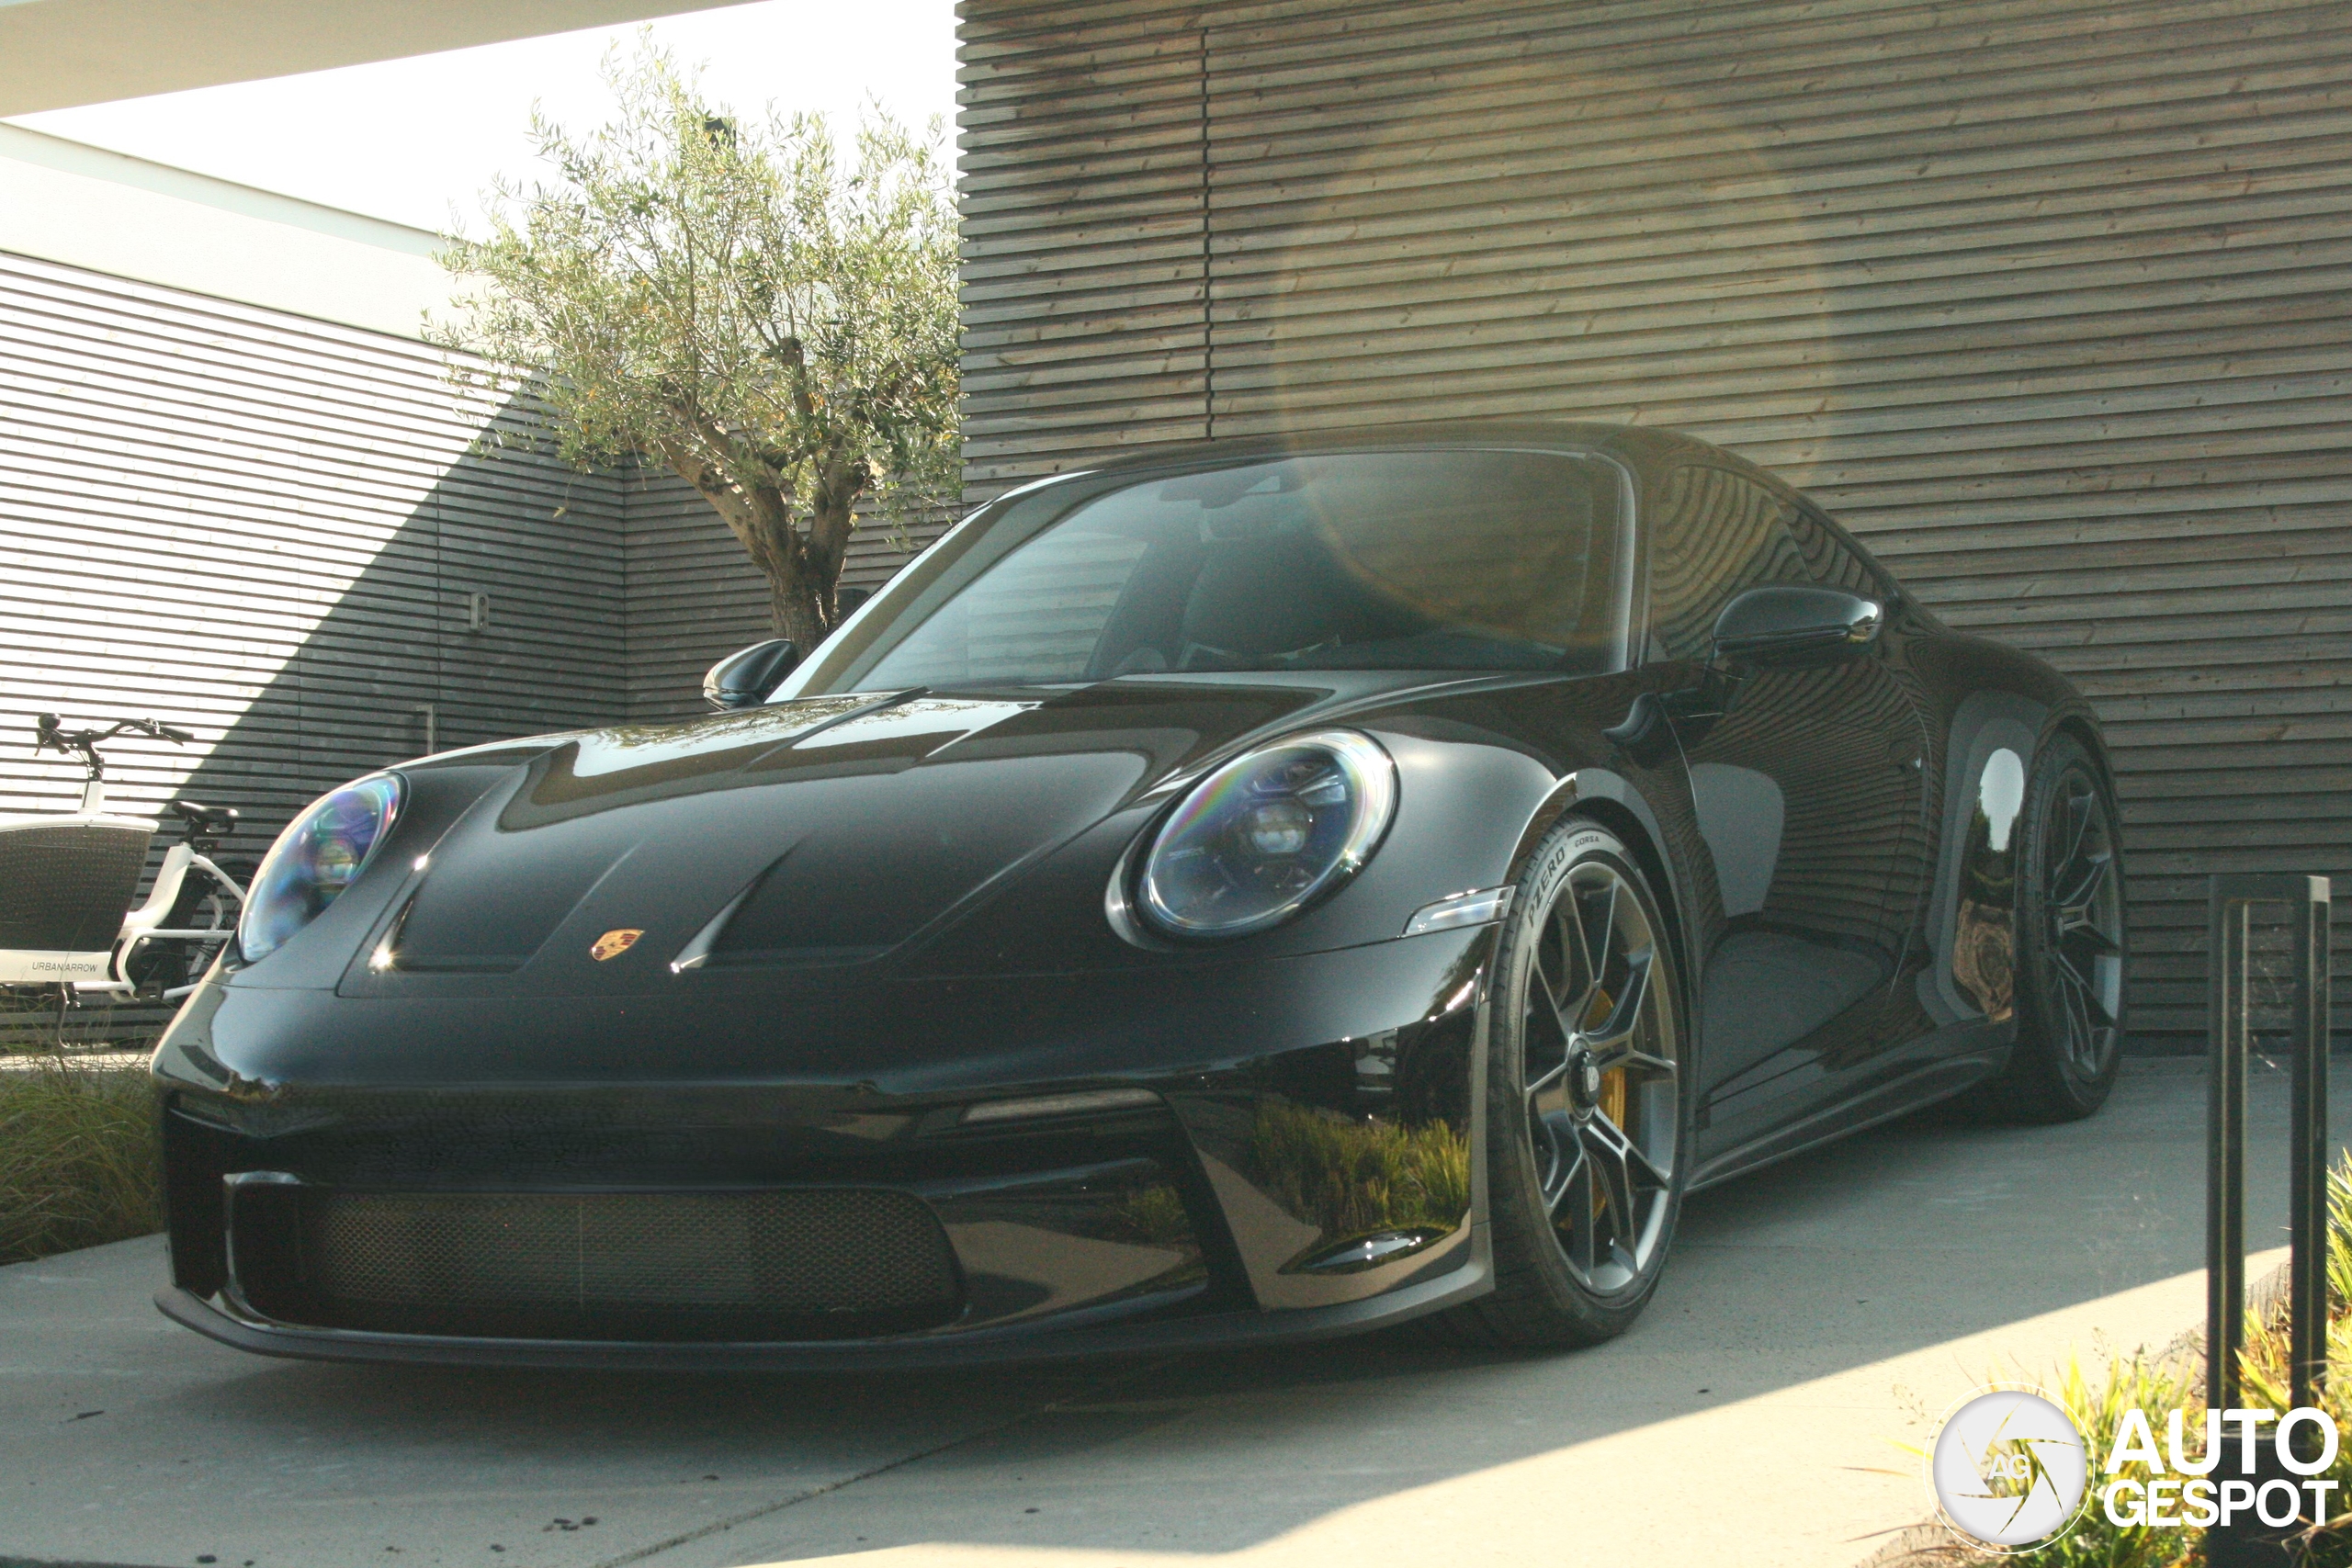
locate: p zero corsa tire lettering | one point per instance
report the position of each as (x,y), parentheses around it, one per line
(2072,942)
(1588,1100)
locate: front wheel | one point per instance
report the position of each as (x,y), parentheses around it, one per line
(1588,1100)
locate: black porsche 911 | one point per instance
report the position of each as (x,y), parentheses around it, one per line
(1250,891)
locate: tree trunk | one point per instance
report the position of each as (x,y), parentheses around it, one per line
(832,514)
(797,604)
(801,566)
(796,613)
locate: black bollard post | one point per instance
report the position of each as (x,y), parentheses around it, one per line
(2248,1541)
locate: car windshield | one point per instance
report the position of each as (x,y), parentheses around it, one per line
(1440,560)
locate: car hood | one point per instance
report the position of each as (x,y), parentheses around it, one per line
(816,833)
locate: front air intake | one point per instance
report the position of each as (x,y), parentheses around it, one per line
(792,1264)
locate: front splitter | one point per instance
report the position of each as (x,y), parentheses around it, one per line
(1062,1340)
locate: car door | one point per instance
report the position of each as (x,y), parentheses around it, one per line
(1807,789)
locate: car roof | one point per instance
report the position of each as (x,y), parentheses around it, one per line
(1640,448)
(1647,450)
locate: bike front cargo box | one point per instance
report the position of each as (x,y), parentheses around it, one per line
(66,884)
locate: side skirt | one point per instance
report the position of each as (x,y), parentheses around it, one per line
(1924,1086)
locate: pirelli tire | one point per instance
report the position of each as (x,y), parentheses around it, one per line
(1588,1100)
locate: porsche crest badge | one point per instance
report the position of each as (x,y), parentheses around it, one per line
(612,944)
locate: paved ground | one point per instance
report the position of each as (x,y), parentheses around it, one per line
(1814,1316)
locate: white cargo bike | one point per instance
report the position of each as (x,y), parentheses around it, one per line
(67,880)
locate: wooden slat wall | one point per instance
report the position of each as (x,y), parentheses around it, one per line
(1085,236)
(264,529)
(2043,297)
(693,595)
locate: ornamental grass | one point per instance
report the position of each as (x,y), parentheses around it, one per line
(79,1159)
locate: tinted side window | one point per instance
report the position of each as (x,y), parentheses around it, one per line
(1714,534)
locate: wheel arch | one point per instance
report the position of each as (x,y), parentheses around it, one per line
(2047,1078)
(1603,798)
(2077,723)
(1539,1297)
(2082,727)
(1621,820)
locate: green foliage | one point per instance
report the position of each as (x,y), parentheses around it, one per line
(1153,1215)
(2137,1383)
(2265,1370)
(735,299)
(78,1157)
(1354,1178)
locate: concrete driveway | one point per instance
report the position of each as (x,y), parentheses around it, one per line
(1814,1316)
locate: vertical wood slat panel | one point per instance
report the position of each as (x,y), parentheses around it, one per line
(2042,297)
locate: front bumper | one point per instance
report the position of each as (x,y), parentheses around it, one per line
(1068,1339)
(1306,1169)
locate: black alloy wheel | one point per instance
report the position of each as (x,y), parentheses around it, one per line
(2072,941)
(1587,1103)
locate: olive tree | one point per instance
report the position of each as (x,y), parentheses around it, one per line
(736,300)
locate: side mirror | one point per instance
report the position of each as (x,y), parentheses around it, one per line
(743,680)
(1778,627)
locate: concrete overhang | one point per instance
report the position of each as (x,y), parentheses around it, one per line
(59,54)
(60,201)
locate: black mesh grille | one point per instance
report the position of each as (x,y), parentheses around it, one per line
(789,1264)
(64,886)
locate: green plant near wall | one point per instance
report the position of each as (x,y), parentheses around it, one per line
(79,1159)
(2265,1376)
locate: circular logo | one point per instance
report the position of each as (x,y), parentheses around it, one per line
(2007,1467)
(1584,1083)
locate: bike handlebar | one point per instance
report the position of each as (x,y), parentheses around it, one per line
(48,735)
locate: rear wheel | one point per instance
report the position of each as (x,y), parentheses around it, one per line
(2071,943)
(1587,1100)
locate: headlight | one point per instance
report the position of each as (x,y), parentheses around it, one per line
(314,860)
(1266,834)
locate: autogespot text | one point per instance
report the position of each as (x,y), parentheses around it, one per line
(2178,1489)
